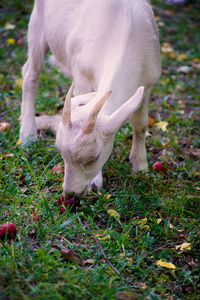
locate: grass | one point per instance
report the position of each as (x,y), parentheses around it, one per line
(157,213)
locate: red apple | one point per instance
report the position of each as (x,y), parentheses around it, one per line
(162,167)
(56,169)
(5,126)
(9,230)
(70,203)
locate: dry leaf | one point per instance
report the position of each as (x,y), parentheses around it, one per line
(196,60)
(4,156)
(165,264)
(69,255)
(182,247)
(89,261)
(35,217)
(9,26)
(148,133)
(166,48)
(162,125)
(159,221)
(11,41)
(181,57)
(18,82)
(142,223)
(184,69)
(104,236)
(113,213)
(108,196)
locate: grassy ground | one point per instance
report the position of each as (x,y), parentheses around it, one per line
(156,213)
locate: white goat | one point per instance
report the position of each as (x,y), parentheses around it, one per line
(111,50)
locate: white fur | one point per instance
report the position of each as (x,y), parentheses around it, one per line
(103,45)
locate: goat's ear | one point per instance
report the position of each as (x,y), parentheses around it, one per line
(114,121)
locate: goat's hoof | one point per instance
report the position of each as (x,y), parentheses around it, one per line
(30,139)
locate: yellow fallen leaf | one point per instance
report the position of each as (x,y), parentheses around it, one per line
(9,26)
(166,48)
(162,125)
(171,226)
(148,134)
(101,236)
(108,196)
(18,82)
(113,213)
(184,246)
(159,221)
(196,60)
(143,224)
(11,41)
(181,57)
(165,264)
(19,142)
(129,260)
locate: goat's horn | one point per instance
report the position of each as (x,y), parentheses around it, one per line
(66,116)
(89,123)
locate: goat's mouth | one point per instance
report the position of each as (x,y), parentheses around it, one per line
(69,202)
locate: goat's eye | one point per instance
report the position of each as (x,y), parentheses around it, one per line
(94,159)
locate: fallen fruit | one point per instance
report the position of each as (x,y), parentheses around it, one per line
(161,167)
(9,230)
(65,202)
(56,169)
(5,126)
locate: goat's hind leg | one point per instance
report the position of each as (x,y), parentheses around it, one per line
(37,50)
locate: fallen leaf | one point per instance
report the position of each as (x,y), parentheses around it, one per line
(142,223)
(69,255)
(165,264)
(181,57)
(35,217)
(18,82)
(159,221)
(11,41)
(113,213)
(166,48)
(148,133)
(184,69)
(89,261)
(193,264)
(182,247)
(196,60)
(108,196)
(162,125)
(9,26)
(129,260)
(4,156)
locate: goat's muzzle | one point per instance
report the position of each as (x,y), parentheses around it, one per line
(68,202)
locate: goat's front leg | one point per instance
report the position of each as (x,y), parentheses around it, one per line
(139,123)
(29,91)
(37,49)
